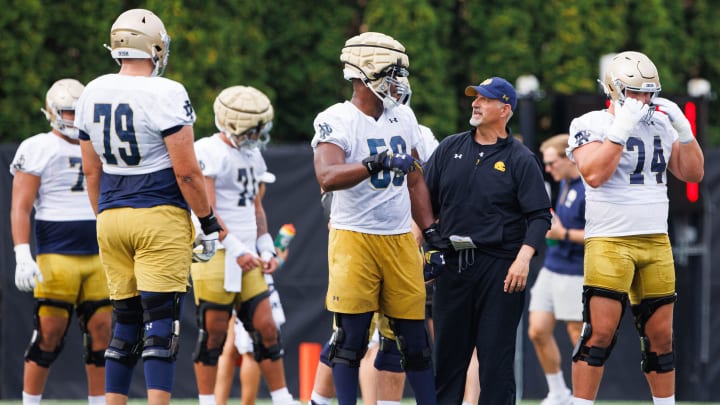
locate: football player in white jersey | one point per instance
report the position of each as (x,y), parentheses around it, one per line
(143,178)
(623,154)
(365,153)
(68,275)
(233,166)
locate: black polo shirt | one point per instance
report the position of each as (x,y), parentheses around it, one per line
(493,193)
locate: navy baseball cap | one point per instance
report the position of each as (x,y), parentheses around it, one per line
(496,88)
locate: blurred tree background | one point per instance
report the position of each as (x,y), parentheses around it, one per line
(290,49)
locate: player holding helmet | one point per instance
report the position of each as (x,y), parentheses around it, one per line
(365,154)
(48,177)
(233,168)
(137,147)
(623,154)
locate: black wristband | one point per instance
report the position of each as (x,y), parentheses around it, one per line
(567,234)
(209,223)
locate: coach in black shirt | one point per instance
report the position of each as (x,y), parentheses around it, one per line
(488,193)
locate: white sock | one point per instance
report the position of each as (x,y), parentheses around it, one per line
(664,401)
(281,396)
(319,399)
(388,402)
(96,400)
(31,399)
(580,401)
(206,399)
(467,403)
(556,384)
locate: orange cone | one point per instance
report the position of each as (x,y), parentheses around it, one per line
(308,357)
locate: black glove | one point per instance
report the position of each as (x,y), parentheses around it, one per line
(375,163)
(433,239)
(434,264)
(400,163)
(210,224)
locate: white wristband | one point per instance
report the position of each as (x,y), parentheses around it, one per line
(265,244)
(233,246)
(686,136)
(22,252)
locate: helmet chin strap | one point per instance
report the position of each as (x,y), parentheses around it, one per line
(388,100)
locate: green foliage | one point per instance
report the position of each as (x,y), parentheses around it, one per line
(290,50)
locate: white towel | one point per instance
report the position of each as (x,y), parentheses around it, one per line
(233,274)
(278,313)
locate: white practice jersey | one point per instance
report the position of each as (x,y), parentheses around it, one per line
(62,195)
(634,200)
(427,144)
(126,118)
(236,173)
(380,204)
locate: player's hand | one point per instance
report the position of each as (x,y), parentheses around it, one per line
(375,163)
(400,163)
(270,263)
(208,245)
(25,269)
(678,120)
(434,264)
(627,115)
(248,261)
(432,238)
(557,229)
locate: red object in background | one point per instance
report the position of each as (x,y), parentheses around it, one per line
(692,190)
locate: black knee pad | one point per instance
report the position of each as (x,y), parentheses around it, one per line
(260,352)
(247,310)
(245,314)
(596,356)
(388,357)
(203,354)
(413,344)
(348,344)
(651,361)
(127,313)
(85,311)
(162,306)
(33,351)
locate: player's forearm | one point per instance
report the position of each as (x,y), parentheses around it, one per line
(92,182)
(192,187)
(20,224)
(597,162)
(341,176)
(690,162)
(420,201)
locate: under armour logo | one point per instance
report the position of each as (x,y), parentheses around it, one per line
(393,119)
(188,108)
(325,130)
(458,156)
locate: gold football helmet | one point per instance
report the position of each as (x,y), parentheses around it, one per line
(62,96)
(245,115)
(630,70)
(140,34)
(378,60)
